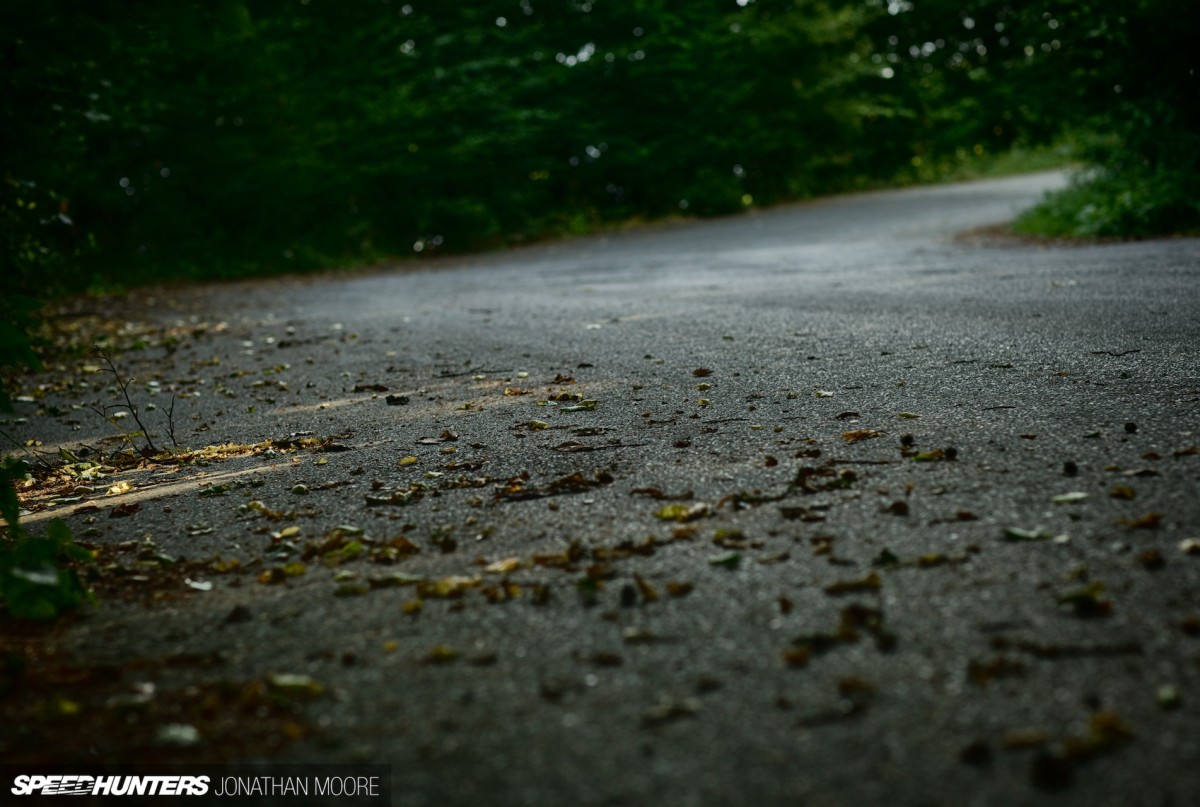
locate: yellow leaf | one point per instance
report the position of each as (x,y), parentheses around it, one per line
(871,582)
(503,566)
(648,592)
(856,435)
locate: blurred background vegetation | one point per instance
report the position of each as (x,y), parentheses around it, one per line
(160,141)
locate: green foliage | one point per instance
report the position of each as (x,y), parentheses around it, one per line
(221,139)
(200,140)
(33,582)
(1114,204)
(33,585)
(992,73)
(17,322)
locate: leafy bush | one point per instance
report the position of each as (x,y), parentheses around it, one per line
(993,73)
(17,322)
(1103,203)
(33,581)
(33,584)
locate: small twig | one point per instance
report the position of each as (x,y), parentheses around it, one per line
(103,413)
(21,446)
(171,423)
(129,404)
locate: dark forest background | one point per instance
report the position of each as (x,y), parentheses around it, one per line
(158,141)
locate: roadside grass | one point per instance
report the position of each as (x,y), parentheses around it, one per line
(969,164)
(1110,204)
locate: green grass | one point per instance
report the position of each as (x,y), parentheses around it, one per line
(967,165)
(1110,204)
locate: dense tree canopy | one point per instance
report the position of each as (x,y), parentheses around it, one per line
(221,138)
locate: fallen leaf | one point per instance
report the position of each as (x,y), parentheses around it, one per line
(872,582)
(980,672)
(949,454)
(669,709)
(1018,534)
(1088,600)
(178,735)
(394,580)
(798,656)
(1025,738)
(1151,559)
(440,654)
(447,587)
(1149,521)
(503,566)
(885,559)
(271,576)
(1106,731)
(483,658)
(728,560)
(295,684)
(858,435)
(684,512)
(638,636)
(648,592)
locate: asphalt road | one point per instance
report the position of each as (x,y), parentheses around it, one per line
(848,408)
